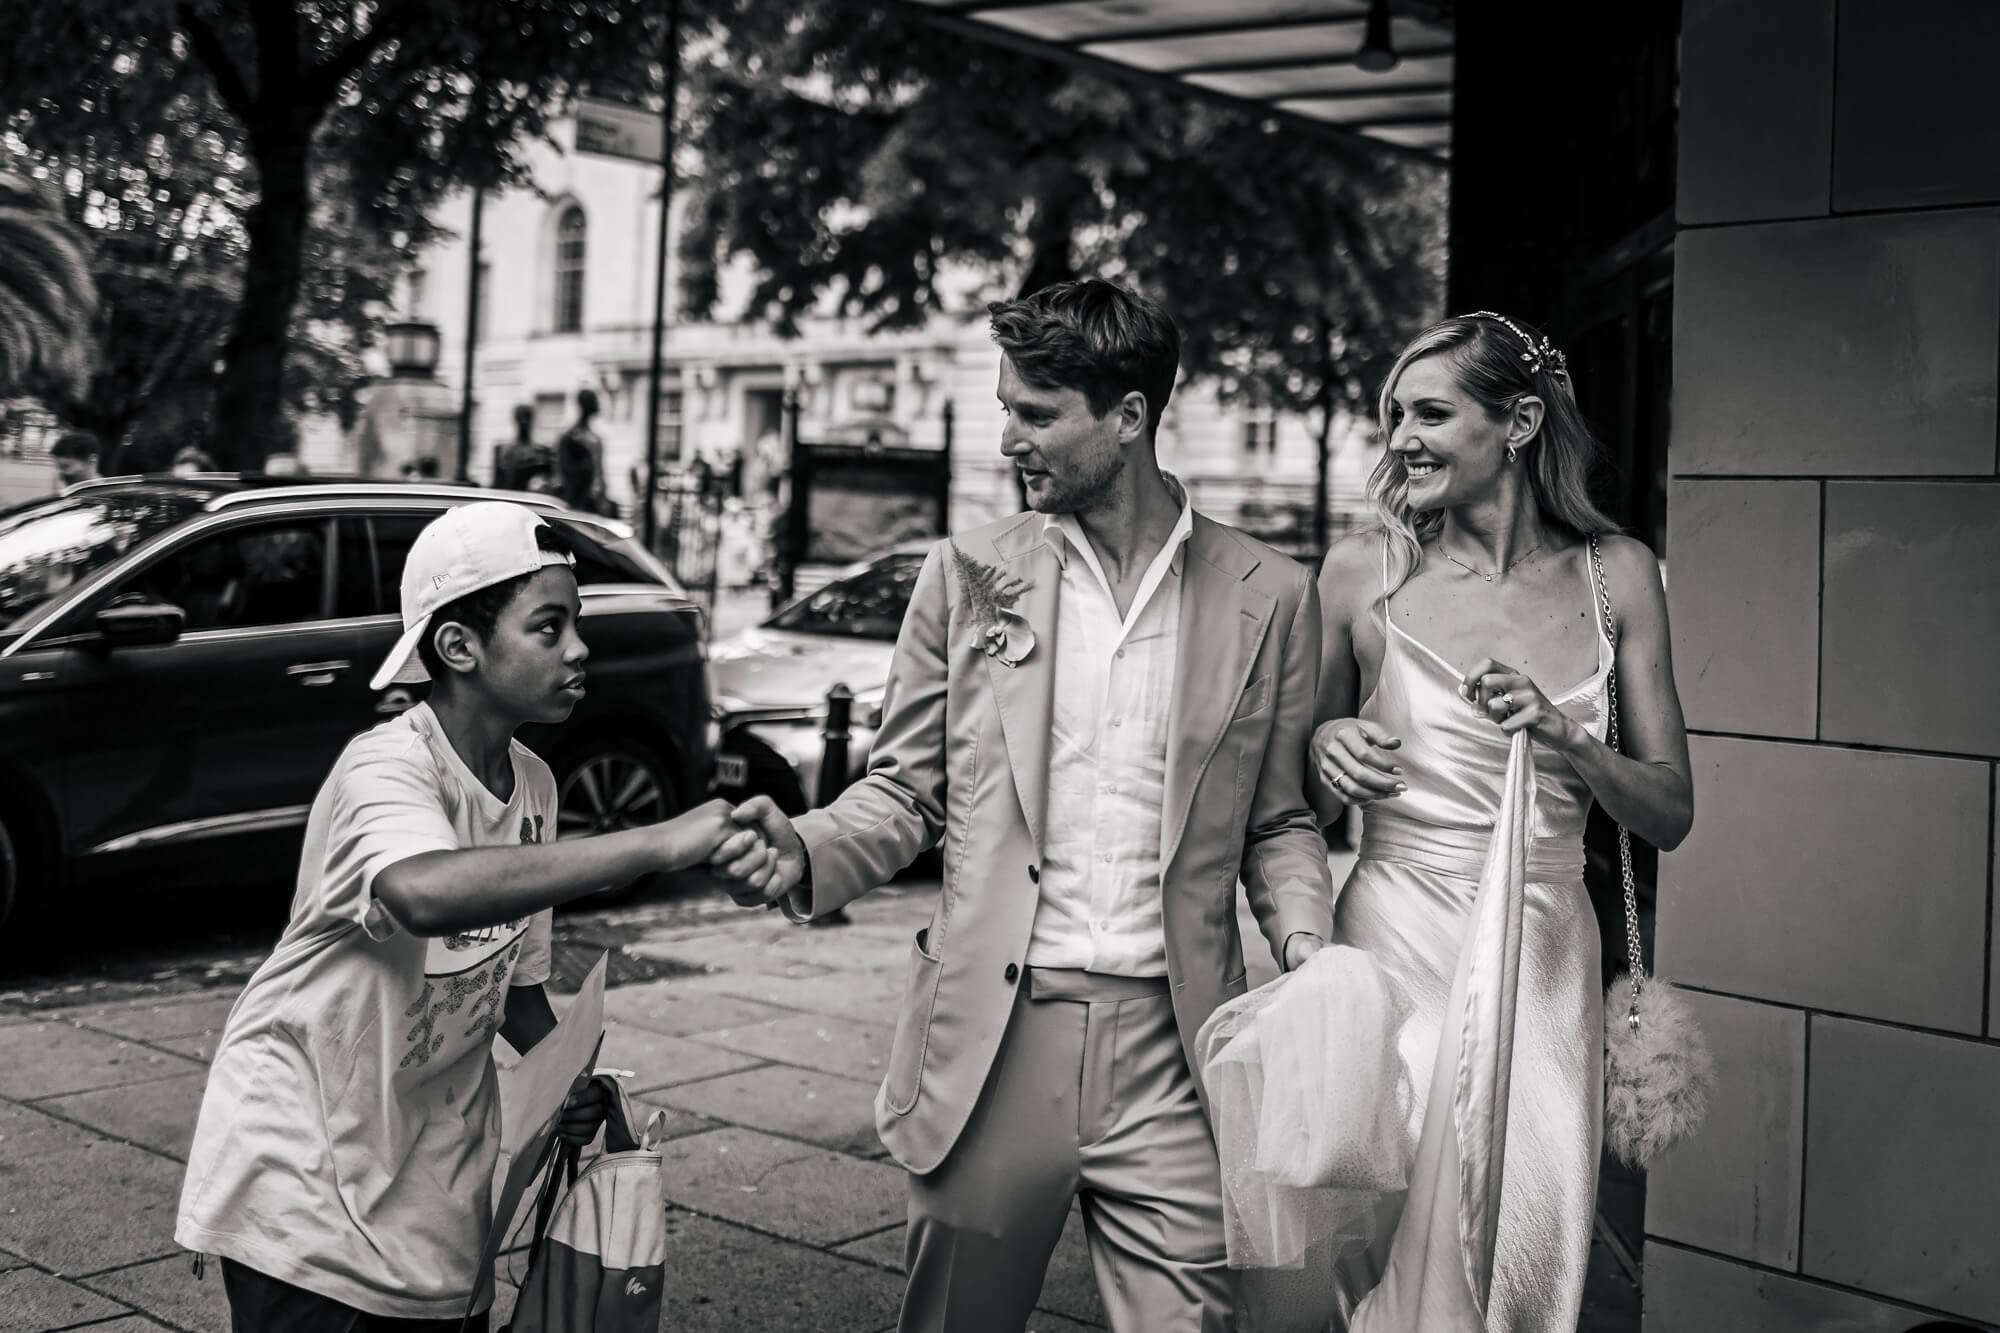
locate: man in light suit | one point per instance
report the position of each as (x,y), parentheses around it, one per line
(1103,708)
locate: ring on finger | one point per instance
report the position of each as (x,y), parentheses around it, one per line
(1507,703)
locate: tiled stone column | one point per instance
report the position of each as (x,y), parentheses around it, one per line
(1834,557)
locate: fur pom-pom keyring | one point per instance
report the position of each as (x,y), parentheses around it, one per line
(1658,1073)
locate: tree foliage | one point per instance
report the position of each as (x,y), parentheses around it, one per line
(310,133)
(854,156)
(46,291)
(1298,268)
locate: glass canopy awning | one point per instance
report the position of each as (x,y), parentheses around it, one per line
(1328,64)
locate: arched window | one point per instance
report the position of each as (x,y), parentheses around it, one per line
(569,271)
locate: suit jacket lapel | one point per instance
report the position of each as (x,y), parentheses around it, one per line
(1223,624)
(1025,692)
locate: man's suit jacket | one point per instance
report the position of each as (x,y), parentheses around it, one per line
(963,752)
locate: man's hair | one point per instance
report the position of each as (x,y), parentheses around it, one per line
(77,444)
(480,611)
(1094,337)
(586,402)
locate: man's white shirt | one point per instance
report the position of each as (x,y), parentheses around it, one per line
(1114,684)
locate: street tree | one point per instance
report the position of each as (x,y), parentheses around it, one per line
(47,295)
(1296,267)
(401,101)
(856,155)
(853,158)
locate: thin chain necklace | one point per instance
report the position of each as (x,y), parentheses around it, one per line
(1496,573)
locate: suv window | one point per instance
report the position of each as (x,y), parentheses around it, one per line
(597,561)
(868,605)
(47,547)
(270,574)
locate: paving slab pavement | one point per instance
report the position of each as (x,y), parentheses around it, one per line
(783,1212)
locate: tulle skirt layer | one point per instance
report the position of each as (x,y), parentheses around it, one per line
(1412,919)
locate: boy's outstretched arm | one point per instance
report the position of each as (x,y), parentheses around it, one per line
(444,892)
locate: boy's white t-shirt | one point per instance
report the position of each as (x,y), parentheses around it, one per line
(348,1135)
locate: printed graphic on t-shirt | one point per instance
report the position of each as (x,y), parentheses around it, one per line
(459,967)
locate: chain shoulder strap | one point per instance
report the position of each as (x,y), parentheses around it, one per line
(1635,967)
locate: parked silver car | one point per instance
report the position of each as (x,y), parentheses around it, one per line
(771,681)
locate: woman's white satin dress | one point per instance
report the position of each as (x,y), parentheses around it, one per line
(1518,1006)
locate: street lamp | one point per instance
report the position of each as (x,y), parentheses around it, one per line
(1378,52)
(413,350)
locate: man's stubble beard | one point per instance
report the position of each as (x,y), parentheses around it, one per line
(1090,497)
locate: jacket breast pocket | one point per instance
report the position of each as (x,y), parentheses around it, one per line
(904,1078)
(1255,699)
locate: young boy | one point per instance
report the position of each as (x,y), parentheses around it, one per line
(343,1161)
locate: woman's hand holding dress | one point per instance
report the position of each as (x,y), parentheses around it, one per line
(1516,703)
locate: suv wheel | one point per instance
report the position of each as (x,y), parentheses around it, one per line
(606,784)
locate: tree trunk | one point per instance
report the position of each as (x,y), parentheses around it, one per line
(1322,478)
(1323,438)
(249,399)
(1052,232)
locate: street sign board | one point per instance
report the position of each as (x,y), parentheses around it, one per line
(617,129)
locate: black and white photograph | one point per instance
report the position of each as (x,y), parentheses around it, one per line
(999,666)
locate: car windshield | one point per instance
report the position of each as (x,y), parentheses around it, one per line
(868,605)
(47,547)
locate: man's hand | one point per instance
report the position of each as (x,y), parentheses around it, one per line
(774,866)
(1299,946)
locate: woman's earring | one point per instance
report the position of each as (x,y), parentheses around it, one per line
(1512,453)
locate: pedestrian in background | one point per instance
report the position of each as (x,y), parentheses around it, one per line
(191,460)
(76,454)
(524,462)
(580,460)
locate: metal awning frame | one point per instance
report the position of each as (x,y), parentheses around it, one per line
(954,18)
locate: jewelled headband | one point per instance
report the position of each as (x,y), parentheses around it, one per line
(1540,356)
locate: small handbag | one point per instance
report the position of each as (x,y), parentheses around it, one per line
(598,1262)
(1657,1069)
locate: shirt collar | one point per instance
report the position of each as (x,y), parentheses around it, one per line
(1071,532)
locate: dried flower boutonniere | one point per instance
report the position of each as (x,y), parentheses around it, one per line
(1002,632)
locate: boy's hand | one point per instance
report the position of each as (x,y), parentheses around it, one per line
(588,1105)
(703,833)
(775,866)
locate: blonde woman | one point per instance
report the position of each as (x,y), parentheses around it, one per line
(1473,613)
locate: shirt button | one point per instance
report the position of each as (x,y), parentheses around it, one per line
(1121,654)
(1117,721)
(1013,973)
(1107,858)
(1034,874)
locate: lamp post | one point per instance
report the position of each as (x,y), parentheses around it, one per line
(412,349)
(670,61)
(471,335)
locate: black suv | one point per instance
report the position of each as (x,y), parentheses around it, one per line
(182,659)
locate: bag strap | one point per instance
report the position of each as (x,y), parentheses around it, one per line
(1635,966)
(563,1166)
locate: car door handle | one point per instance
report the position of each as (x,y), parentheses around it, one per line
(315,673)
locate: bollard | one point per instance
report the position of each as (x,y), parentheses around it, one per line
(837,732)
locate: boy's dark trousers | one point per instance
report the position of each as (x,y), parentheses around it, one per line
(259,1303)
